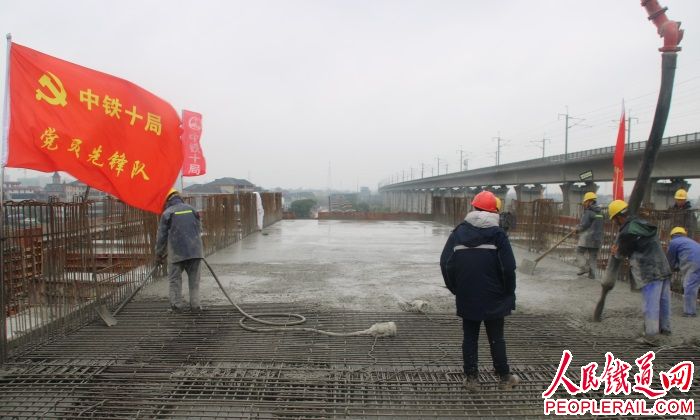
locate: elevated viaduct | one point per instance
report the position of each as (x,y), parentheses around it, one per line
(576,173)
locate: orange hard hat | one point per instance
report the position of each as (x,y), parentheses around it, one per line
(486,201)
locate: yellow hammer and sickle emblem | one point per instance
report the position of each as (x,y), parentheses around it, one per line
(54,85)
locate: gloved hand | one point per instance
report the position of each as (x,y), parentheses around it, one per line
(160,259)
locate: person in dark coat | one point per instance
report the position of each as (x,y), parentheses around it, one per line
(590,236)
(639,241)
(682,213)
(180,240)
(478,267)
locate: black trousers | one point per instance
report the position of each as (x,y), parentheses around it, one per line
(470,346)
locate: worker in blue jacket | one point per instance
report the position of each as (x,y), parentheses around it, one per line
(180,240)
(684,255)
(478,267)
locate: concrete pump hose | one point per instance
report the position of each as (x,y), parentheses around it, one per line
(380,329)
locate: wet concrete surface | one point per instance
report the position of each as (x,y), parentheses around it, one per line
(342,276)
(377,266)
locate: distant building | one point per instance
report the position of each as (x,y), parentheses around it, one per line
(37,181)
(76,191)
(226,185)
(60,190)
(341,202)
(57,190)
(15,191)
(364,194)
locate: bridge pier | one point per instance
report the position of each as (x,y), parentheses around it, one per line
(420,201)
(415,201)
(470,192)
(426,206)
(572,194)
(661,193)
(529,192)
(499,191)
(392,200)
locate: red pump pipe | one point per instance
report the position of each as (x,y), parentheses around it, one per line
(667,29)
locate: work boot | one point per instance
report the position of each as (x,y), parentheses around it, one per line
(471,383)
(591,274)
(582,271)
(689,315)
(175,309)
(197,310)
(508,381)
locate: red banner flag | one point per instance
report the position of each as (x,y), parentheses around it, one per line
(193,163)
(103,130)
(619,160)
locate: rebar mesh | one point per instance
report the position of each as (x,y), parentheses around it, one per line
(154,364)
(60,260)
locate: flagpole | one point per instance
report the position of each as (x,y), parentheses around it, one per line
(182,118)
(3,158)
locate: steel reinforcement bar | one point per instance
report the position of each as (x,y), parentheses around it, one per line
(160,365)
(60,260)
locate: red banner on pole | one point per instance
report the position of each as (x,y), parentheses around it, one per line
(103,130)
(619,160)
(193,163)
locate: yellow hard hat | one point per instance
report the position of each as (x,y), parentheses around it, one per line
(171,192)
(616,207)
(589,196)
(679,230)
(681,194)
(498,204)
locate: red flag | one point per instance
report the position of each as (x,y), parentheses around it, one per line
(103,130)
(193,163)
(619,160)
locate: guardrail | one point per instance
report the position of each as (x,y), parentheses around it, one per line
(573,156)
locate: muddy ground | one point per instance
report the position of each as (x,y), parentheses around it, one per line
(376,266)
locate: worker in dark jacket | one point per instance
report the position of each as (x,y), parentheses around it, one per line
(651,273)
(684,255)
(590,236)
(478,267)
(179,239)
(506,219)
(682,213)
(681,200)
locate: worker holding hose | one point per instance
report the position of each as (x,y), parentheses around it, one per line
(179,240)
(639,241)
(478,267)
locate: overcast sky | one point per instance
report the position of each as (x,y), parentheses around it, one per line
(347,93)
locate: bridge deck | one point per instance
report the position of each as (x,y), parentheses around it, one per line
(343,276)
